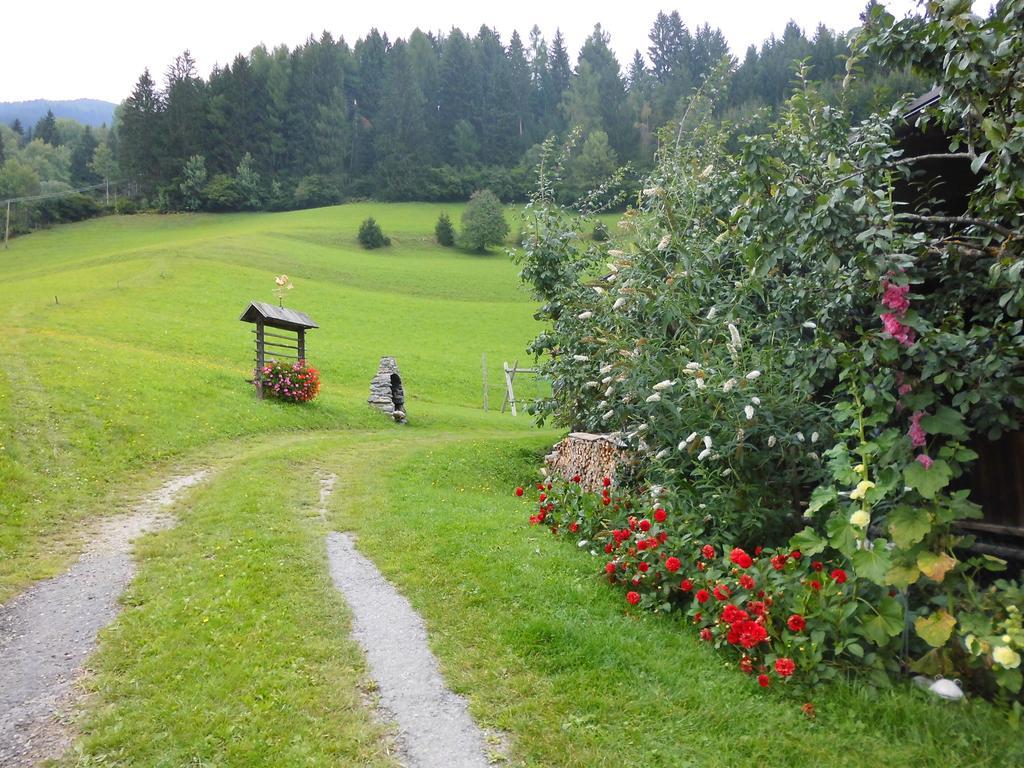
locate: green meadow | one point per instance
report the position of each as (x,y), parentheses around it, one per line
(126,363)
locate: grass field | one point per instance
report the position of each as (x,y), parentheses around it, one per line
(126,360)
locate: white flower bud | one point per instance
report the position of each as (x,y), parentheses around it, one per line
(703,454)
(755,400)
(748,410)
(585,315)
(606,379)
(581,358)
(606,368)
(664,243)
(619,302)
(692,366)
(607,415)
(753,375)
(711,313)
(707,441)
(653,398)
(661,386)
(701,384)
(771,441)
(729,385)
(809,324)
(662,453)
(814,437)
(800,436)
(734,334)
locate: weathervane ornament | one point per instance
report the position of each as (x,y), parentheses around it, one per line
(283,284)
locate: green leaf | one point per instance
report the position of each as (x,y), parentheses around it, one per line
(908,525)
(886,622)
(808,542)
(928,482)
(872,563)
(902,576)
(1010,679)
(935,629)
(841,535)
(945,421)
(821,497)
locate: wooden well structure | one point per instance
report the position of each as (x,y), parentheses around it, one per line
(287,340)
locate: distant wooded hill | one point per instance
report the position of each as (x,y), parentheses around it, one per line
(86,111)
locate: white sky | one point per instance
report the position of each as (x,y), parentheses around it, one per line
(66,49)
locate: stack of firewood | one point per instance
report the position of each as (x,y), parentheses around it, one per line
(592,457)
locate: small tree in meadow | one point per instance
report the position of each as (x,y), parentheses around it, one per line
(483,222)
(371,236)
(444,231)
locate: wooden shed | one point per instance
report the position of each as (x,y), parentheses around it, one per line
(286,342)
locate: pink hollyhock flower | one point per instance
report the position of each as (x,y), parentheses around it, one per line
(916,432)
(895,297)
(902,333)
(925,460)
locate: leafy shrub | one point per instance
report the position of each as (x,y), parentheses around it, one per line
(600,233)
(784,346)
(444,232)
(370,235)
(483,222)
(315,191)
(222,193)
(296,382)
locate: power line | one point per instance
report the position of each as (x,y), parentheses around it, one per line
(63,193)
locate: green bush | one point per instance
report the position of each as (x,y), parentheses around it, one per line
(370,235)
(599,233)
(315,191)
(444,232)
(483,222)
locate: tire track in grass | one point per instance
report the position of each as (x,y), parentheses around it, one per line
(48,631)
(435,729)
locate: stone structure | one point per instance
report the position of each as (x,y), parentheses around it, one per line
(592,457)
(386,392)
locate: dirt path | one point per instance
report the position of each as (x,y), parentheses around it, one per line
(47,632)
(435,730)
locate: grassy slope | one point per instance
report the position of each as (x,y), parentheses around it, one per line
(234,649)
(143,360)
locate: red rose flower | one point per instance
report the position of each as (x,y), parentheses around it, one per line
(731,614)
(549,486)
(722,592)
(741,558)
(606,482)
(609,567)
(758,551)
(686,585)
(662,537)
(543,497)
(540,486)
(574,526)
(633,598)
(575,478)
(702,595)
(701,566)
(756,607)
(705,634)
(708,551)
(747,664)
(796,623)
(660,515)
(645,525)
(778,562)
(636,581)
(606,501)
(747,633)
(697,617)
(796,554)
(632,523)
(763,681)
(672,564)
(519,491)
(643,567)
(839,575)
(747,581)
(817,565)
(814,584)
(609,548)
(785,667)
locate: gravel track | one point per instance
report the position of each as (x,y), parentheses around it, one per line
(48,631)
(435,729)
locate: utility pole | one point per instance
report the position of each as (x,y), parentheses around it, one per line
(7,226)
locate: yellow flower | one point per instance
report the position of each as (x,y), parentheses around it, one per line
(862,487)
(1006,657)
(859,468)
(860,518)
